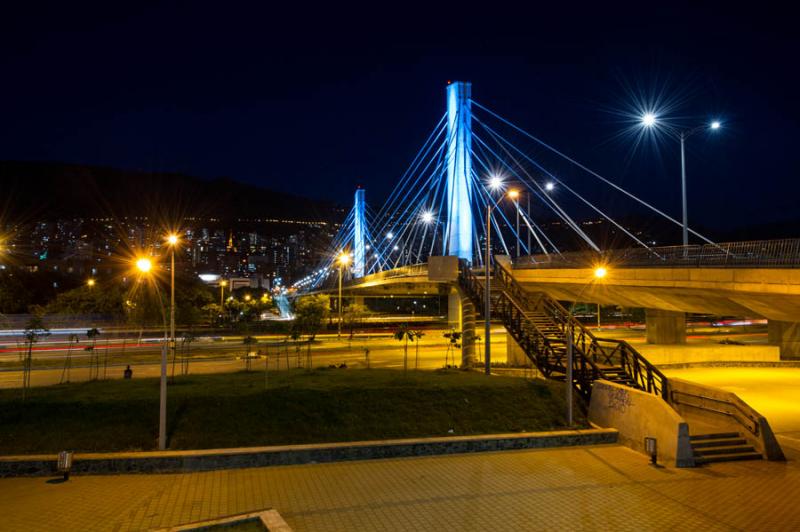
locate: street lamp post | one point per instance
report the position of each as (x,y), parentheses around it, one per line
(172,240)
(144,265)
(650,120)
(222,285)
(487,262)
(599,273)
(344,259)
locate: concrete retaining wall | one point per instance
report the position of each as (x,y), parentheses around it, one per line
(726,412)
(636,415)
(205,460)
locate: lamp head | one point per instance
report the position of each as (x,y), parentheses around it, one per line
(648,120)
(513,194)
(144,265)
(600,272)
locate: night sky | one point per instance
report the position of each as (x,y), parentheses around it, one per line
(315,101)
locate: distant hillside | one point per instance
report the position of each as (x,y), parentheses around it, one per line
(34,191)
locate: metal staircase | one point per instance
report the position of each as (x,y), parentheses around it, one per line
(542,327)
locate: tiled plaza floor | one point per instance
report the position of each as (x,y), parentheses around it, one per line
(589,488)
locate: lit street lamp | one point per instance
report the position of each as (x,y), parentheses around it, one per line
(222,284)
(650,120)
(599,273)
(512,194)
(172,240)
(90,283)
(344,260)
(145,265)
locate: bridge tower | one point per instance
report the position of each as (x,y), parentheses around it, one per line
(359,234)
(459,229)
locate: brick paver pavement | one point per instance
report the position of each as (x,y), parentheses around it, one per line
(589,488)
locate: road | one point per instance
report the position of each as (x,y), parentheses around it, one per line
(225,356)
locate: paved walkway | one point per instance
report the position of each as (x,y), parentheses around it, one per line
(590,488)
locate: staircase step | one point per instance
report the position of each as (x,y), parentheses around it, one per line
(715,436)
(739,449)
(703,444)
(728,458)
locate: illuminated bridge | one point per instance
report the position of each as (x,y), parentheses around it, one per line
(479,177)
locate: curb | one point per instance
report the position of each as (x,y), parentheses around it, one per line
(247,457)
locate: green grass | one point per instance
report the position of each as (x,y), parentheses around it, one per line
(233,410)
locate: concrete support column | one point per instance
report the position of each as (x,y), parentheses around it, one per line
(665,326)
(785,334)
(461,317)
(468,315)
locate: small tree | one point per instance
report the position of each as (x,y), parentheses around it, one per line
(353,315)
(454,339)
(248,341)
(186,346)
(417,337)
(310,313)
(34,330)
(74,339)
(404,334)
(94,358)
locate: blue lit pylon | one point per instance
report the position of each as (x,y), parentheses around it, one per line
(459,170)
(359,234)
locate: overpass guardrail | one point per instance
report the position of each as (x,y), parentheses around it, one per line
(784,253)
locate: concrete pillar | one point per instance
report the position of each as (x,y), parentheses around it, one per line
(665,326)
(467,331)
(461,317)
(785,334)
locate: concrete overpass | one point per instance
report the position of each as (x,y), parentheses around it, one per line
(681,280)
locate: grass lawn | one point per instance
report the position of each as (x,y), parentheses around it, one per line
(234,410)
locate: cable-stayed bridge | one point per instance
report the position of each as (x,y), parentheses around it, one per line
(483,195)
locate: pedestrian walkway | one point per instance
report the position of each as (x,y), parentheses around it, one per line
(589,488)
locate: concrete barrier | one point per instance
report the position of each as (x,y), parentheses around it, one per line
(637,415)
(726,411)
(210,459)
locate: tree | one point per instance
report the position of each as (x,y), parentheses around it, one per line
(454,338)
(417,337)
(34,330)
(353,315)
(249,341)
(94,359)
(186,345)
(310,312)
(403,333)
(74,339)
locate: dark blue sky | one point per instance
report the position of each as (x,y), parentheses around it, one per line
(315,101)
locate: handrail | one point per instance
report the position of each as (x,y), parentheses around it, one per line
(781,253)
(743,422)
(533,341)
(638,369)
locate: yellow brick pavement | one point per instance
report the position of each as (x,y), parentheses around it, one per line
(589,488)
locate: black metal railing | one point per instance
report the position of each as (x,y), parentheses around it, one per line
(783,253)
(593,358)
